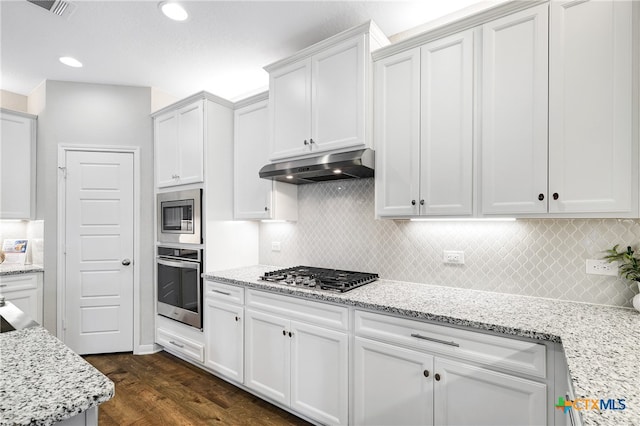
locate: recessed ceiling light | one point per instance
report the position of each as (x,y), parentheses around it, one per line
(174,11)
(289,177)
(337,171)
(71,62)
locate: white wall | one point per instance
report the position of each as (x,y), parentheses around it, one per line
(93,114)
(13,101)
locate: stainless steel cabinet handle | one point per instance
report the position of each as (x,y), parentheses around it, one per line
(176,344)
(221,292)
(126,262)
(431,339)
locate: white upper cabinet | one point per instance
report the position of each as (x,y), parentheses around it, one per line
(290,98)
(514,113)
(179,145)
(319,98)
(593,158)
(397,133)
(256,198)
(424,129)
(17,165)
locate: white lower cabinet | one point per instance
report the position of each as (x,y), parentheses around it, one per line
(412,385)
(299,364)
(24,291)
(390,386)
(224,329)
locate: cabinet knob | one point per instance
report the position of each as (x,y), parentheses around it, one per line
(284,333)
(437,377)
(422,202)
(126,262)
(311,141)
(237,318)
(290,334)
(305,142)
(555,196)
(541,197)
(426,373)
(413,202)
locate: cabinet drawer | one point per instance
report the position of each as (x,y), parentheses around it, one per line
(187,347)
(498,352)
(322,314)
(18,282)
(226,292)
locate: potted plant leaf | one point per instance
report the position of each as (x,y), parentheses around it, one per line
(628,267)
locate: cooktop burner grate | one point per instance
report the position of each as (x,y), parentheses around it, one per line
(322,278)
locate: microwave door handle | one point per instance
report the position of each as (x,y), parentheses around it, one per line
(177,263)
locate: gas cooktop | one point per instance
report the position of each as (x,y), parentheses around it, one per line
(320,278)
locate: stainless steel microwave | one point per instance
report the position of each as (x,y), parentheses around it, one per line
(180,217)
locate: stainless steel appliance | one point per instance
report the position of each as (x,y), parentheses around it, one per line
(180,284)
(320,278)
(180,217)
(322,168)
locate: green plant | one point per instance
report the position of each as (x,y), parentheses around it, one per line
(628,264)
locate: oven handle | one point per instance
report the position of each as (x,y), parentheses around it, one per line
(177,263)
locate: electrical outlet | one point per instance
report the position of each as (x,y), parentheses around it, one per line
(453,257)
(601,267)
(275,246)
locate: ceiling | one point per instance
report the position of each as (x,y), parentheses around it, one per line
(221,48)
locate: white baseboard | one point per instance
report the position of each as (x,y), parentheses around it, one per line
(147,349)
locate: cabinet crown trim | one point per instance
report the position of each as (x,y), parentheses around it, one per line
(18,113)
(455,26)
(190,99)
(263,96)
(369,28)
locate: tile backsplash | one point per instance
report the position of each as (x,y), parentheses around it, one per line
(24,229)
(533,257)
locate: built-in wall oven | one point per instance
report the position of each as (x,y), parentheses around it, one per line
(179,217)
(180,284)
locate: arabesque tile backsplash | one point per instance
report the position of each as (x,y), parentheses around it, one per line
(533,257)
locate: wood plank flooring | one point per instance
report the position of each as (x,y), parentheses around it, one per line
(160,389)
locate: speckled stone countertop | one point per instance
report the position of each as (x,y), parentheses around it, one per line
(14,269)
(601,343)
(42,381)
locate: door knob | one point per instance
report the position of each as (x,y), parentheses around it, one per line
(126,262)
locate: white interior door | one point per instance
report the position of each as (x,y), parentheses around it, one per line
(98,281)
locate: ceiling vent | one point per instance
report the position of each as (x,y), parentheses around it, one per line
(57,7)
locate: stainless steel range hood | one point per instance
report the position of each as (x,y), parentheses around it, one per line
(323,168)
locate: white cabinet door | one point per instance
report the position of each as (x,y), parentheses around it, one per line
(224,329)
(397,133)
(24,291)
(290,109)
(514,113)
(392,385)
(17,166)
(191,143)
(319,373)
(490,398)
(446,149)
(267,356)
(252,195)
(590,118)
(338,96)
(166,147)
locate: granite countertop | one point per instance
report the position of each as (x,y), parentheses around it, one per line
(15,269)
(601,343)
(42,381)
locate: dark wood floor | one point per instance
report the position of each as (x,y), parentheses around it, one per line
(160,389)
